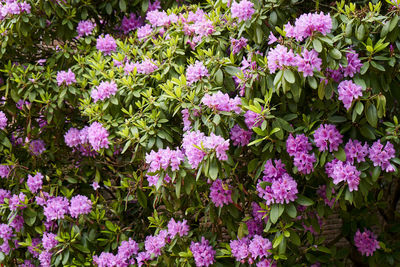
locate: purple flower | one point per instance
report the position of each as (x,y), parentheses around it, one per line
(56,208)
(271,38)
(273,172)
(72,137)
(304,162)
(4,171)
(80,205)
(95,185)
(344,171)
(252,119)
(85,27)
(202,252)
(222,102)
(353,64)
(177,228)
(254,227)
(239,136)
(154,244)
(189,143)
(131,23)
(259,247)
(307,24)
(238,44)
(220,194)
(187,124)
(98,136)
(34,247)
(147,66)
(240,249)
(195,72)
(381,156)
(141,258)
(144,31)
(349,91)
(5,232)
(127,249)
(300,144)
(35,182)
(242,10)
(45,259)
(37,147)
(218,144)
(284,189)
(49,241)
(65,77)
(4,194)
(325,135)
(17,201)
(3,120)
(164,158)
(104,90)
(355,150)
(308,61)
(17,223)
(366,242)
(105,259)
(106,44)
(279,58)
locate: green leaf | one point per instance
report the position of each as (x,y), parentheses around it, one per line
(110,226)
(291,210)
(360,32)
(219,77)
(304,201)
(340,154)
(364,68)
(317,45)
(178,186)
(335,53)
(337,119)
(367,132)
(277,241)
(122,5)
(142,199)
(213,170)
(372,116)
(289,76)
(376,173)
(359,107)
(274,213)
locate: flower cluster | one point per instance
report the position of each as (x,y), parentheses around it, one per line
(65,77)
(222,102)
(93,137)
(239,136)
(327,135)
(356,151)
(202,252)
(252,119)
(196,25)
(299,148)
(85,27)
(220,193)
(242,10)
(79,205)
(353,64)
(130,23)
(280,57)
(349,91)
(35,182)
(308,24)
(196,145)
(11,7)
(282,188)
(195,72)
(37,147)
(308,62)
(381,155)
(366,242)
(104,90)
(4,171)
(3,120)
(250,250)
(343,171)
(147,66)
(106,44)
(238,44)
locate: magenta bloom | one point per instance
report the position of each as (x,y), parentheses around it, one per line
(189,143)
(202,252)
(259,247)
(381,156)
(164,158)
(220,194)
(366,242)
(353,64)
(195,72)
(5,232)
(49,241)
(177,228)
(325,135)
(85,27)
(17,201)
(144,31)
(131,23)
(252,119)
(17,223)
(240,249)
(298,144)
(35,182)
(56,208)
(308,24)
(187,124)
(239,136)
(106,44)
(355,150)
(95,185)
(344,171)
(349,91)
(238,44)
(3,120)
(72,137)
(304,162)
(98,136)
(280,57)
(104,90)
(65,77)
(154,244)
(37,147)
(45,259)
(4,171)
(242,10)
(308,62)
(222,102)
(80,205)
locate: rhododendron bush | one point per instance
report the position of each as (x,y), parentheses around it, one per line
(199,133)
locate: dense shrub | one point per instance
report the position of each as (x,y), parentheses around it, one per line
(211,133)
